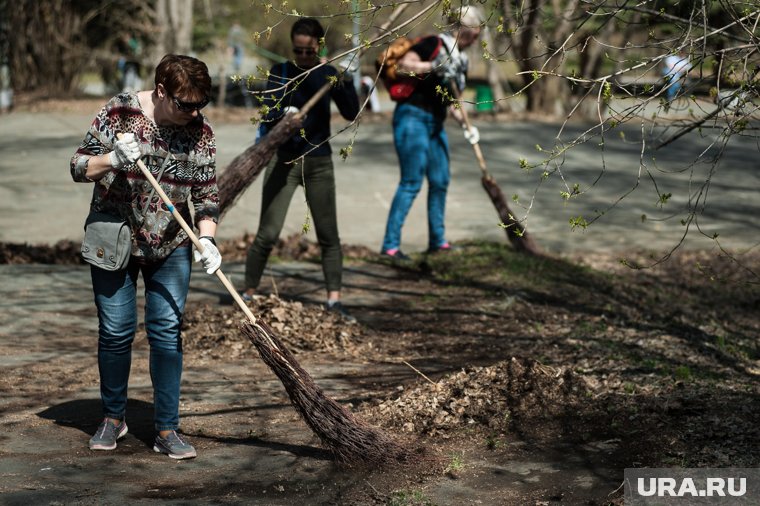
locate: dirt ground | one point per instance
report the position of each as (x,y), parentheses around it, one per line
(512,380)
(524,380)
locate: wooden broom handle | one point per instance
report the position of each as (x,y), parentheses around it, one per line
(476,146)
(192,236)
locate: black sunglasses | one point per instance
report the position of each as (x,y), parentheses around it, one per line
(304,50)
(189,106)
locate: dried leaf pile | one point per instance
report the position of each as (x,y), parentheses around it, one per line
(490,397)
(293,247)
(62,253)
(215,331)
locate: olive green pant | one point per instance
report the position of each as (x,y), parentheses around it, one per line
(280,182)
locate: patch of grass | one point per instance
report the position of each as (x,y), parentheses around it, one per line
(456,463)
(651,365)
(585,328)
(482,260)
(496,263)
(493,442)
(409,498)
(682,373)
(430,298)
(735,348)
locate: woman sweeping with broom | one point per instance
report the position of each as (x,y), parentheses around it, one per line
(165,128)
(172,132)
(418,134)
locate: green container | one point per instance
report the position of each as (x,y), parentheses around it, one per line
(483,98)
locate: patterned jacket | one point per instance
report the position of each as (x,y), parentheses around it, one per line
(182,158)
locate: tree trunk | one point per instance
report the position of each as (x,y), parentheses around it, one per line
(495,77)
(45,45)
(538,50)
(175,19)
(547,96)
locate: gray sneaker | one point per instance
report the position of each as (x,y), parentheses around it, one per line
(174,446)
(107,434)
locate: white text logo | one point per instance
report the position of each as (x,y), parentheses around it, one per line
(714,487)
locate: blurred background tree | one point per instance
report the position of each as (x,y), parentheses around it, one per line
(547,50)
(52,43)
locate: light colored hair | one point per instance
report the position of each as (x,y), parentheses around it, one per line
(468,16)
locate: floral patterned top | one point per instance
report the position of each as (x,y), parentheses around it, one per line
(182,158)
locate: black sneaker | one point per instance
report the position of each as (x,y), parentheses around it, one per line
(107,434)
(395,254)
(174,446)
(337,308)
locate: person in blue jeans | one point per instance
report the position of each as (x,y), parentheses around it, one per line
(674,71)
(166,130)
(418,132)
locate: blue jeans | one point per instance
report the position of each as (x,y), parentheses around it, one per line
(166,285)
(423,151)
(675,84)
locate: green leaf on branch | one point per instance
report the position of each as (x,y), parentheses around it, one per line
(578,221)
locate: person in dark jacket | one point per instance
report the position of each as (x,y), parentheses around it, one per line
(305,159)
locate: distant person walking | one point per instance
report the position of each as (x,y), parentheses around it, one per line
(235,41)
(674,70)
(236,48)
(418,133)
(305,159)
(165,128)
(129,65)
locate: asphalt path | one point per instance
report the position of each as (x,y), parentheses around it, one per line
(620,181)
(47,315)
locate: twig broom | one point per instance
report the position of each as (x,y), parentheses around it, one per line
(350,440)
(521,240)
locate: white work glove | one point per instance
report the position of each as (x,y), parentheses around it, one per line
(210,258)
(472,134)
(291,109)
(126,151)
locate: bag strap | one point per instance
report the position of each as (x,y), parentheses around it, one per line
(160,173)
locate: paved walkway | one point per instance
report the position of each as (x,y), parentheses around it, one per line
(40,204)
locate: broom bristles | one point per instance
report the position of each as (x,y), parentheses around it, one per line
(516,233)
(350,440)
(246,167)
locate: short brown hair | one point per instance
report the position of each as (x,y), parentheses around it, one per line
(309,27)
(185,76)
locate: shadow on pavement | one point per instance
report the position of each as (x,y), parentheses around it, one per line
(86,414)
